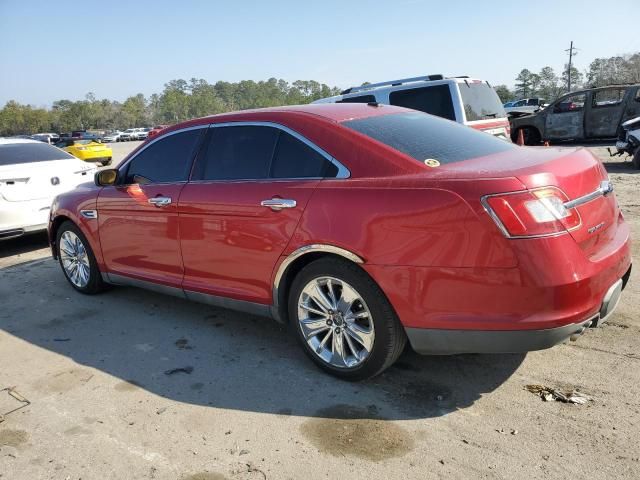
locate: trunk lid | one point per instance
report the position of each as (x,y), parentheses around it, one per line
(577,172)
(41,180)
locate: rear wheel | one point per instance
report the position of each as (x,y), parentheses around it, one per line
(343,320)
(77,260)
(107,162)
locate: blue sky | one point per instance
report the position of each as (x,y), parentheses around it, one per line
(52,50)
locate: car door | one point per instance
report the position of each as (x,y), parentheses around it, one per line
(604,112)
(138,217)
(632,105)
(249,187)
(565,118)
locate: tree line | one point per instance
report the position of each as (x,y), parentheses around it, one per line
(549,85)
(180,100)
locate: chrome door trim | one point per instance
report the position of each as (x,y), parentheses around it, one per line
(605,188)
(304,250)
(277,204)
(343,172)
(160,201)
(90,214)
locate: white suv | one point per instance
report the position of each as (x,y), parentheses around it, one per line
(464,100)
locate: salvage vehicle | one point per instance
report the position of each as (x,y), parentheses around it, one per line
(360,226)
(87,150)
(583,115)
(629,141)
(465,100)
(32,173)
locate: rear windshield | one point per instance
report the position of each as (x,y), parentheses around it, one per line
(425,137)
(435,100)
(359,99)
(15,153)
(481,102)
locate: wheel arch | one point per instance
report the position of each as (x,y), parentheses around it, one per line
(53,232)
(296,261)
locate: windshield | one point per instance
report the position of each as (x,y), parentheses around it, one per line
(481,102)
(16,153)
(426,137)
(84,142)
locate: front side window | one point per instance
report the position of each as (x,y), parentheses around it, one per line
(435,100)
(167,160)
(610,97)
(572,103)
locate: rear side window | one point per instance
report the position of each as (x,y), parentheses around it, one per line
(16,153)
(294,159)
(237,153)
(424,137)
(360,99)
(608,98)
(167,160)
(435,100)
(481,102)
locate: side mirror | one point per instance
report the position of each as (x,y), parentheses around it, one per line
(104,178)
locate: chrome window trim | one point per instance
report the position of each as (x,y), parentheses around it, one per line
(125,164)
(343,172)
(304,250)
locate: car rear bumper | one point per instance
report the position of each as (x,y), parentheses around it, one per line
(18,218)
(431,341)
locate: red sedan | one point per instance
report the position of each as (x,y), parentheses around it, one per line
(363,226)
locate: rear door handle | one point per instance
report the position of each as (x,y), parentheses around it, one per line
(160,201)
(276,204)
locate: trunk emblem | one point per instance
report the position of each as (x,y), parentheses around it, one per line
(595,228)
(55,181)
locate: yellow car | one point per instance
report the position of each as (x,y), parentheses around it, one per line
(87,150)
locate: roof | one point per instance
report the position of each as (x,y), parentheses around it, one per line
(334,112)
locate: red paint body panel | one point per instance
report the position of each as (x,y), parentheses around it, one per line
(423,233)
(139,239)
(229,242)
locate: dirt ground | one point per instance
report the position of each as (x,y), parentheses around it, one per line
(249,405)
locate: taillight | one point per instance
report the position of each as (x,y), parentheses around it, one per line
(532,213)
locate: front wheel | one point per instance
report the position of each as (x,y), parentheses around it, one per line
(343,320)
(77,260)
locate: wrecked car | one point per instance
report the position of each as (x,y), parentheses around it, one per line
(582,115)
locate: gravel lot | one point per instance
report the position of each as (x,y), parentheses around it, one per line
(254,407)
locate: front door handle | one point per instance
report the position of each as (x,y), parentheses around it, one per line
(160,201)
(276,204)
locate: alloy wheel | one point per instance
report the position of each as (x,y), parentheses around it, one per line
(335,322)
(74,259)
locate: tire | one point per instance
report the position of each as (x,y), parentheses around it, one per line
(531,136)
(635,161)
(377,323)
(87,262)
(108,162)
